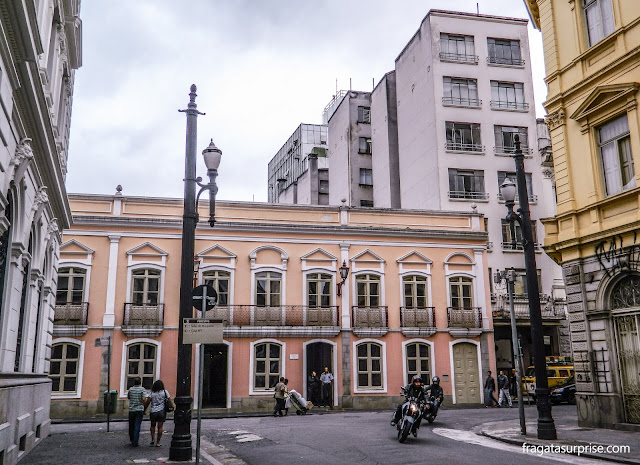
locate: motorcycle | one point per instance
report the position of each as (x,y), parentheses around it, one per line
(411,413)
(430,412)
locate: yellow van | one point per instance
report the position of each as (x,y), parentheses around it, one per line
(558,369)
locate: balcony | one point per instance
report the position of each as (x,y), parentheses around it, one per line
(459,58)
(464,321)
(462,102)
(460,147)
(369,321)
(513,106)
(277,320)
(143,320)
(532,198)
(505,61)
(550,309)
(509,151)
(418,321)
(516,246)
(70,319)
(467,195)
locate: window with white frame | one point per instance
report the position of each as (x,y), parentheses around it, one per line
(268,289)
(599,18)
(460,91)
(366,177)
(219,280)
(615,152)
(415,291)
(461,292)
(319,290)
(418,356)
(505,138)
(455,47)
(364,115)
(463,136)
(508,96)
(141,361)
(71,282)
(504,52)
(63,368)
(369,356)
(145,289)
(267,365)
(368,290)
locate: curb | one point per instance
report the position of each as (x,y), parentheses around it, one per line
(518,442)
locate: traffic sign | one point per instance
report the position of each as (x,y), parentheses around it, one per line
(206,294)
(201,330)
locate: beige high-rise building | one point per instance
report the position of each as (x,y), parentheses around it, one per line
(591,50)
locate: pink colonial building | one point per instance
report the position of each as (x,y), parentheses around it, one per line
(416,300)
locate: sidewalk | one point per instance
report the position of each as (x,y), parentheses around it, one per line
(569,435)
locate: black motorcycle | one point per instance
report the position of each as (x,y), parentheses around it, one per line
(411,413)
(430,412)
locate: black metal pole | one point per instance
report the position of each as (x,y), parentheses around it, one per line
(181,440)
(546,426)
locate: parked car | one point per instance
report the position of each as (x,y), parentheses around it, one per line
(566,392)
(557,373)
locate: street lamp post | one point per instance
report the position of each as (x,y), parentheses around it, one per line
(546,426)
(181,448)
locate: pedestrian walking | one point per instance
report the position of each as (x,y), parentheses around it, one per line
(326,378)
(138,402)
(287,402)
(503,385)
(514,386)
(279,397)
(158,414)
(490,387)
(313,388)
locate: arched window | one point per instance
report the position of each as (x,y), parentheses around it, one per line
(267,365)
(141,361)
(268,289)
(368,290)
(626,293)
(146,287)
(461,289)
(415,291)
(369,365)
(23,305)
(63,370)
(220,281)
(418,356)
(5,240)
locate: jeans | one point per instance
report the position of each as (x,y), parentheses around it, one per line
(135,420)
(492,398)
(326,394)
(504,393)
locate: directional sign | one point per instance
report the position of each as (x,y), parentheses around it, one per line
(206,294)
(201,330)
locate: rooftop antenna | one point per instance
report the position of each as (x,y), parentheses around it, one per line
(349,83)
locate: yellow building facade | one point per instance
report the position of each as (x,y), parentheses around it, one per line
(592,57)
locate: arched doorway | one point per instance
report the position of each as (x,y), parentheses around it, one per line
(214,381)
(466,373)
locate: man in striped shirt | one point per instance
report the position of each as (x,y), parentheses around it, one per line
(138,400)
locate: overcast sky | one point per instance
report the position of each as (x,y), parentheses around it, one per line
(262,67)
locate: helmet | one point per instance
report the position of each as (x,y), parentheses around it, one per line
(417,378)
(435,380)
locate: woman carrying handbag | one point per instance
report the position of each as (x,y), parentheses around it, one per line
(159,399)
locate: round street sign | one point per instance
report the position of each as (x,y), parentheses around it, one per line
(206,294)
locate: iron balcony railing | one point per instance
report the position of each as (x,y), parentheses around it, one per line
(502,105)
(369,317)
(550,309)
(71,314)
(511,150)
(143,314)
(417,317)
(458,317)
(517,245)
(504,61)
(449,145)
(468,195)
(462,58)
(275,315)
(532,197)
(464,102)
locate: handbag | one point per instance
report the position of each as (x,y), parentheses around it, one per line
(168,405)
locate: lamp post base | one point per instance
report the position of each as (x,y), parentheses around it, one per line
(546,425)
(181,446)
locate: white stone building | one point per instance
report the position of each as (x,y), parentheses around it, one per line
(41,49)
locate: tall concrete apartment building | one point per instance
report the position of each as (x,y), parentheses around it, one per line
(437,133)
(298,173)
(40,49)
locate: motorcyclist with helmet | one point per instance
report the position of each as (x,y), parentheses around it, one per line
(435,390)
(414,389)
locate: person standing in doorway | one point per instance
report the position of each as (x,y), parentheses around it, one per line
(138,401)
(313,387)
(503,385)
(490,387)
(326,378)
(279,397)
